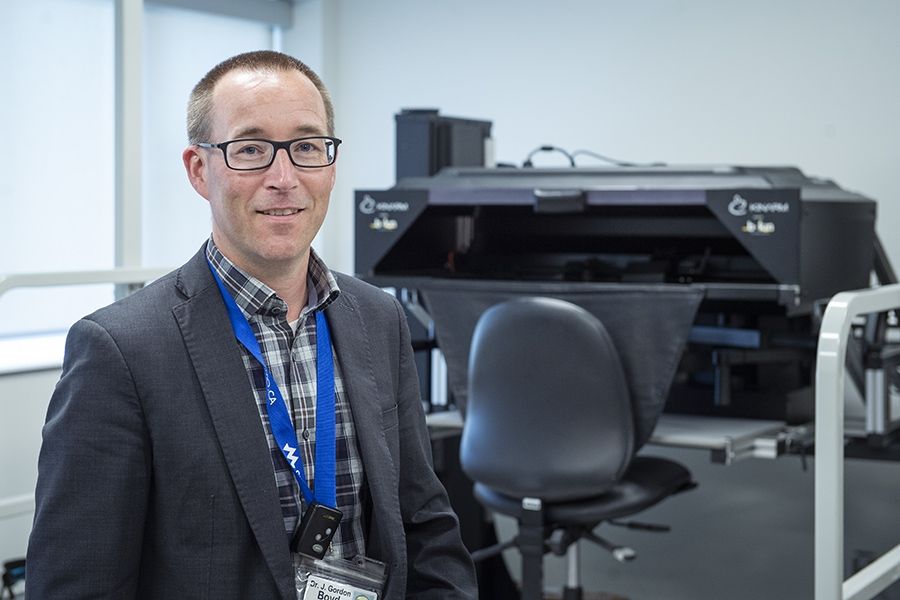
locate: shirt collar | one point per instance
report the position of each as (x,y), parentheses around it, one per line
(253,296)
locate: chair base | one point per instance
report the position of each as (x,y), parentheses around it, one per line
(648,481)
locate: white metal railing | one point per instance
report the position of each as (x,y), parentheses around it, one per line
(25,503)
(16,505)
(829,463)
(24,360)
(122,275)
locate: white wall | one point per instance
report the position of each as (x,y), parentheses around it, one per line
(23,403)
(180,47)
(808,83)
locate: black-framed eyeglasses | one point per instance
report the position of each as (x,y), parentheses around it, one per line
(252,154)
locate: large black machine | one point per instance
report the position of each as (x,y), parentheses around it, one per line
(711,279)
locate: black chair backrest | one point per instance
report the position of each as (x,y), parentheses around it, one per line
(549,414)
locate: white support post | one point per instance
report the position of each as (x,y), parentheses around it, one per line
(829,470)
(829,461)
(128,73)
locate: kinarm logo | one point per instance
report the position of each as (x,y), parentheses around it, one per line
(738,205)
(367,206)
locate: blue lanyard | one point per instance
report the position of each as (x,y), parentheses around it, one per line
(279,420)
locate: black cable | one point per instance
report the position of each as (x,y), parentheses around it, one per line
(571,156)
(547,148)
(618,163)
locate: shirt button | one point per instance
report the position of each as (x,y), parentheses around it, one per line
(305,434)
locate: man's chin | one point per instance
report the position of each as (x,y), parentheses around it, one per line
(286,257)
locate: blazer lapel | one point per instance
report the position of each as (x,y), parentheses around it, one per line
(217,361)
(351,344)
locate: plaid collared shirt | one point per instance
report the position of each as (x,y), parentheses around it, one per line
(291,358)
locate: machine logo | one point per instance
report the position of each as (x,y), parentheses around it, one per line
(758,226)
(770,207)
(741,207)
(738,205)
(383,223)
(369,205)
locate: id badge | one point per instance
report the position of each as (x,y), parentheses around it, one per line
(333,578)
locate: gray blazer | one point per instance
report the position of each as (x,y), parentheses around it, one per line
(155,479)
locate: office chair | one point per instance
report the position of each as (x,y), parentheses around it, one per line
(549,436)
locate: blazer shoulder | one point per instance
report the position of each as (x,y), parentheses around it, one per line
(161,293)
(158,298)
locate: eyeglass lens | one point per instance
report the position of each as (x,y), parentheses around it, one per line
(255,154)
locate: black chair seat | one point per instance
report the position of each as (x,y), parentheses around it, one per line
(647,481)
(550,416)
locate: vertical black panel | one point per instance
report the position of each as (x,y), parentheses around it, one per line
(427,142)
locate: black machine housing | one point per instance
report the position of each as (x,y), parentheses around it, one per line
(768,246)
(762,233)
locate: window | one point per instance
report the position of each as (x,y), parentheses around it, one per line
(57,186)
(180,46)
(57,189)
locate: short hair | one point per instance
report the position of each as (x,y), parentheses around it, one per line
(200,101)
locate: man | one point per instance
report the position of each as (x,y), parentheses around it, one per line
(160,475)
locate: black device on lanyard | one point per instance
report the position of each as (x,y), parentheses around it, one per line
(317,528)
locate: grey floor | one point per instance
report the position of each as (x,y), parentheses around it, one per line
(745,533)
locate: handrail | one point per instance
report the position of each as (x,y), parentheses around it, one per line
(25,503)
(120,275)
(829,463)
(14,506)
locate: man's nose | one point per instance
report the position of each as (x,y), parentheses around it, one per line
(282,172)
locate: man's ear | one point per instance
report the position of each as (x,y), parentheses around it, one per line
(196,165)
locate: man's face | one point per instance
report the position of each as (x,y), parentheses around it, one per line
(265,220)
